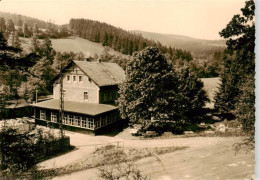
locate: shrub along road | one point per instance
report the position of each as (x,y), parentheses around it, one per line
(206,158)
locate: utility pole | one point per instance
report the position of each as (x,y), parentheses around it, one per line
(61,112)
(36,96)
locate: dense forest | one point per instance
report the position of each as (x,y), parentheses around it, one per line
(205,62)
(19,19)
(199,48)
(121,40)
(26,26)
(208,65)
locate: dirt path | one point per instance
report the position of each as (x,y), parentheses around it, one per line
(86,144)
(213,162)
(216,161)
(206,158)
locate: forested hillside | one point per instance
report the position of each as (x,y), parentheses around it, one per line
(74,44)
(121,40)
(26,27)
(202,56)
(199,48)
(19,19)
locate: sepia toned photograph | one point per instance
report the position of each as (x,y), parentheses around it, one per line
(127,89)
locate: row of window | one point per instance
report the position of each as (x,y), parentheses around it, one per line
(78,121)
(106,119)
(75,78)
(71,120)
(83,122)
(108,96)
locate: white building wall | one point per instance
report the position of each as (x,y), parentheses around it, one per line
(74,90)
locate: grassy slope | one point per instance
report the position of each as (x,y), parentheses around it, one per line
(75,44)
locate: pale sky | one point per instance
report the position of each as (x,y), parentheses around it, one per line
(195,18)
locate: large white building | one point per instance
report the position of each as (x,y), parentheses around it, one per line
(90,90)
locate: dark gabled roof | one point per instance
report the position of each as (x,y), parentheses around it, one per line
(17,103)
(76,107)
(104,73)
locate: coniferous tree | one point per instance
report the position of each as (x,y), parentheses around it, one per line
(192,95)
(35,44)
(236,93)
(25,29)
(239,58)
(2,25)
(12,64)
(42,72)
(10,26)
(17,42)
(46,50)
(14,40)
(4,96)
(11,39)
(35,29)
(20,22)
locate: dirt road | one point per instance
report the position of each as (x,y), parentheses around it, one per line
(206,158)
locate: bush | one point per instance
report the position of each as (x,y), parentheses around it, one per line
(17,151)
(21,151)
(165,126)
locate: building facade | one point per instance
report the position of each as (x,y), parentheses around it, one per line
(89,90)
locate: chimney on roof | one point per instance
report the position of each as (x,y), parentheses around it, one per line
(87,59)
(99,60)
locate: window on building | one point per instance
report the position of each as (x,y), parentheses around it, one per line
(101,97)
(114,116)
(42,115)
(104,120)
(83,122)
(109,118)
(65,119)
(80,78)
(74,78)
(71,120)
(98,123)
(53,117)
(91,123)
(68,77)
(111,95)
(85,96)
(77,120)
(105,97)
(87,123)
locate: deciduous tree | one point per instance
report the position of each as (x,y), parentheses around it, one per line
(152,89)
(144,93)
